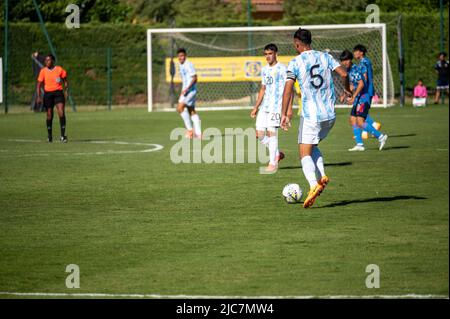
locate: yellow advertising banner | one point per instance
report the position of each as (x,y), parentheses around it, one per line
(226,69)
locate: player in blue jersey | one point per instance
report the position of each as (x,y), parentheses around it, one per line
(313,69)
(359,53)
(361,101)
(267,109)
(186,102)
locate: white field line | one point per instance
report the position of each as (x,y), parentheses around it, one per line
(148,148)
(158,296)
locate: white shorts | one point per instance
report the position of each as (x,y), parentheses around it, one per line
(188,99)
(419,101)
(312,133)
(267,121)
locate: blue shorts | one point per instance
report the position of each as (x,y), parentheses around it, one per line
(442,84)
(360,109)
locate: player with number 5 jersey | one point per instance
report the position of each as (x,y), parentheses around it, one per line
(313,69)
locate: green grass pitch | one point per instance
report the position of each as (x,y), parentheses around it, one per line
(137,223)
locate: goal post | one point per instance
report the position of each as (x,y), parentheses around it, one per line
(228,61)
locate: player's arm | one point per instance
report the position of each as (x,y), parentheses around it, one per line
(66,87)
(286,110)
(259,100)
(357,91)
(40,82)
(38,91)
(344,75)
(193,81)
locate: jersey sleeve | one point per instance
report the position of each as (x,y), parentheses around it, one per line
(63,74)
(192,71)
(41,75)
(332,63)
(363,68)
(290,72)
(263,77)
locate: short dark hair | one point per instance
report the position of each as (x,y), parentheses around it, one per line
(303,35)
(443,53)
(51,56)
(361,48)
(181,50)
(346,55)
(420,80)
(271,47)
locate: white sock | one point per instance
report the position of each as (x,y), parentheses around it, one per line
(196,120)
(264,140)
(318,161)
(186,118)
(309,169)
(273,147)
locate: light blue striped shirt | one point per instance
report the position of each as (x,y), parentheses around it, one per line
(274,78)
(313,69)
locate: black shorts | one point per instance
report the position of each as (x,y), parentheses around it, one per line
(52,98)
(361,109)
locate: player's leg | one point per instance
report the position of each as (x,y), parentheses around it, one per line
(189,101)
(322,178)
(261,127)
(308,138)
(184,113)
(49,104)
(272,134)
(362,112)
(317,158)
(438,95)
(357,131)
(195,121)
(60,108)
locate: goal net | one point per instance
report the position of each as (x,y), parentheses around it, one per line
(228,61)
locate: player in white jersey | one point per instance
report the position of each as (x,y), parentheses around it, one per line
(268,105)
(313,69)
(186,102)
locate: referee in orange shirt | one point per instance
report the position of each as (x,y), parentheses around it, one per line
(53,76)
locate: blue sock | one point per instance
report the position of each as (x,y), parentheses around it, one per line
(357,132)
(371,130)
(369,120)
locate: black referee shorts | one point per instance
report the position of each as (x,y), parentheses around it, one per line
(52,98)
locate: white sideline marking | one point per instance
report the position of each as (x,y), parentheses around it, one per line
(153,148)
(157,296)
(234,108)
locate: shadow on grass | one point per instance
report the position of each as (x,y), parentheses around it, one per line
(373,200)
(326,164)
(395,147)
(402,135)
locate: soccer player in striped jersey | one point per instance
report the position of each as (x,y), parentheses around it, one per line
(186,102)
(313,69)
(359,53)
(361,101)
(52,77)
(268,105)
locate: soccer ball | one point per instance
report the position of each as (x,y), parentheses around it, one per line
(292,193)
(365,135)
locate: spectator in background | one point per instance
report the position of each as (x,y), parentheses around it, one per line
(441,68)
(38,61)
(420,94)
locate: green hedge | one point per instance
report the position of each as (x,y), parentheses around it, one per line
(83,52)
